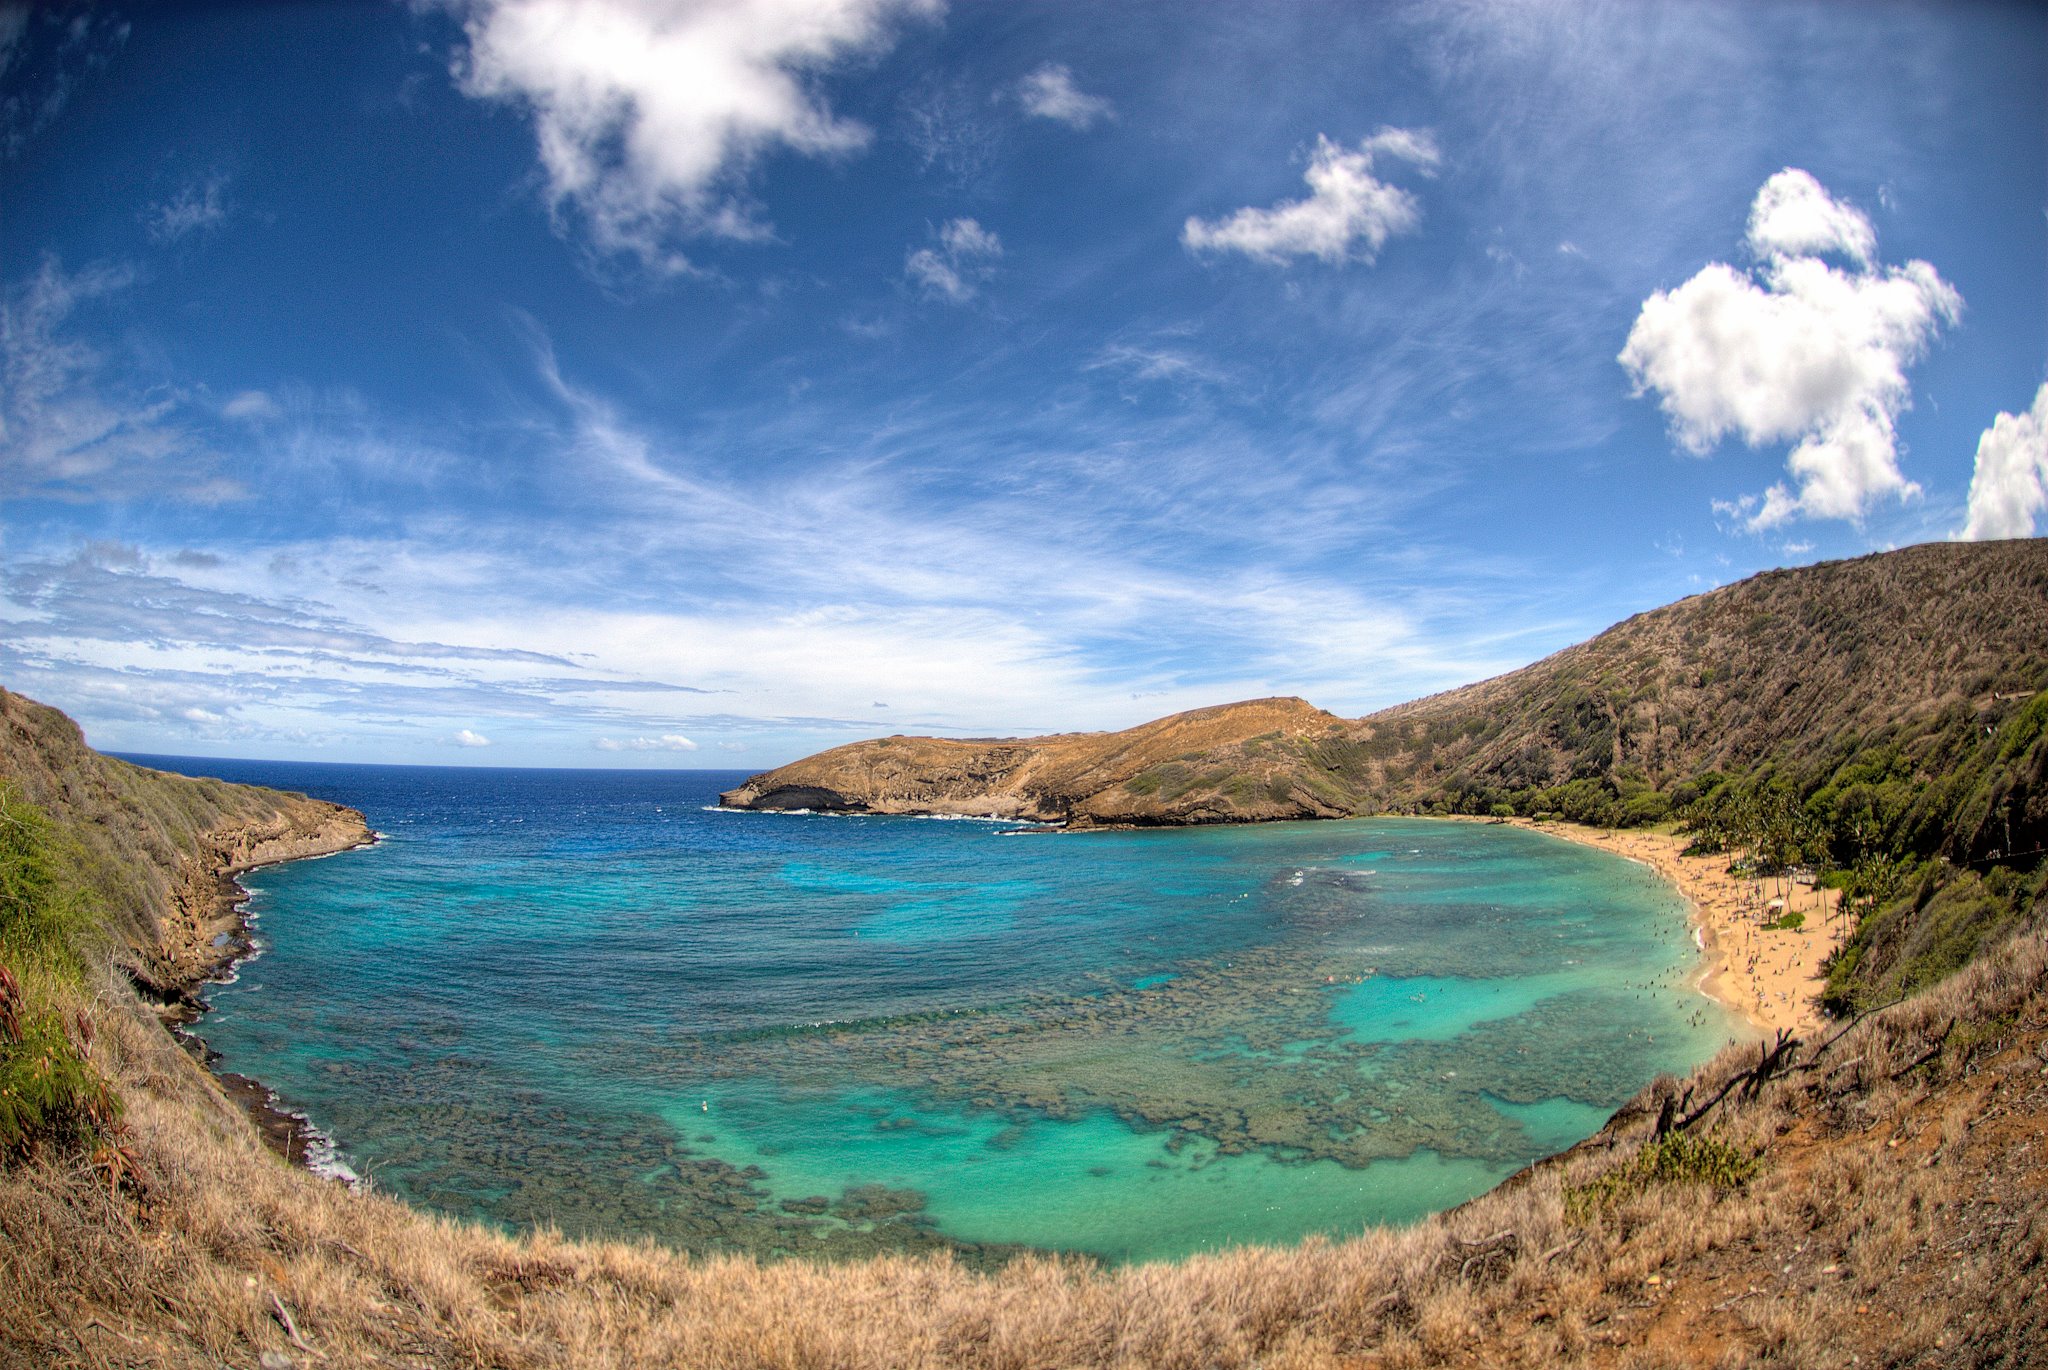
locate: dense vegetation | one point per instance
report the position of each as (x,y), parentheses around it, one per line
(1879,724)
(51,1094)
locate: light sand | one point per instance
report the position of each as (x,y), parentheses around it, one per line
(1771,977)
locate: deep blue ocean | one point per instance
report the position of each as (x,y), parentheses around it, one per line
(594,1000)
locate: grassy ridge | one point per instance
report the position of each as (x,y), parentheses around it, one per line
(150,851)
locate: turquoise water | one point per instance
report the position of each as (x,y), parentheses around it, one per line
(592,999)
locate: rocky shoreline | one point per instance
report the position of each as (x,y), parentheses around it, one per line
(210,935)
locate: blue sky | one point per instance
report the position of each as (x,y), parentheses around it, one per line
(656,382)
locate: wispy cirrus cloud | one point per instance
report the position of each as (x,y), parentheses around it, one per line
(1165,359)
(946,124)
(44,50)
(70,430)
(198,206)
(109,593)
(886,563)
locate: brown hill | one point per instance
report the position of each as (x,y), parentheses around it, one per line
(1916,652)
(1233,763)
(1923,667)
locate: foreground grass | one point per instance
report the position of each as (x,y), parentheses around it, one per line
(1883,1196)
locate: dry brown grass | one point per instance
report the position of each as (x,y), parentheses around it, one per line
(1897,1214)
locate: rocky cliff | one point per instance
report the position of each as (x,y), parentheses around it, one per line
(158,851)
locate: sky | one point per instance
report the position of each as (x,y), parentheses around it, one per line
(701,383)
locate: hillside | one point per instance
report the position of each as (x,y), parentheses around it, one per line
(1907,656)
(157,853)
(1911,656)
(1262,753)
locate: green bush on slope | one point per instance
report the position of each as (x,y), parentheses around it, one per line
(50,1092)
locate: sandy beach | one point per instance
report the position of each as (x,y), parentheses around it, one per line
(1771,977)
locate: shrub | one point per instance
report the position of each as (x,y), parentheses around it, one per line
(42,914)
(1643,809)
(1675,1158)
(49,1092)
(1788,921)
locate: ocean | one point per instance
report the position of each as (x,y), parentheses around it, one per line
(593,999)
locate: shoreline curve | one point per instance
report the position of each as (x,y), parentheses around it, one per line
(1770,977)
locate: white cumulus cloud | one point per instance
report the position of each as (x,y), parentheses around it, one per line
(648,113)
(957,267)
(467,738)
(1796,349)
(1349,212)
(1794,216)
(1050,93)
(2010,485)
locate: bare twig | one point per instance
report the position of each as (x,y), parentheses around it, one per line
(112,1331)
(1771,1061)
(291,1329)
(1822,1049)
(340,1245)
(1497,1239)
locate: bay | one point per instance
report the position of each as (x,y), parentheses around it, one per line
(593,999)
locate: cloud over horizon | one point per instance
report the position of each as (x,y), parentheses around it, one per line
(1798,348)
(667,742)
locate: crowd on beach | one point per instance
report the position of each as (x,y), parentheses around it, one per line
(1769,973)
